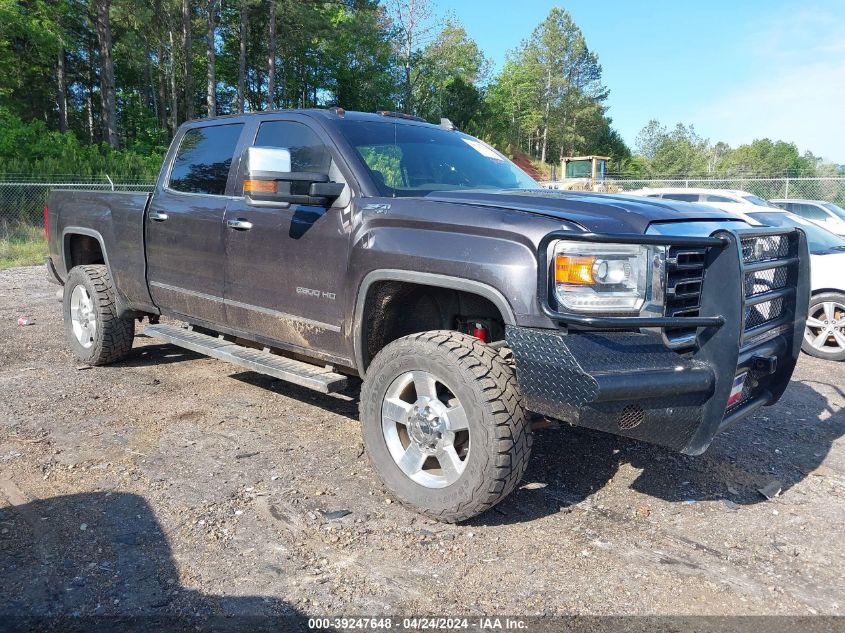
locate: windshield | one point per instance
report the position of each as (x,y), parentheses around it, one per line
(414,160)
(820,240)
(836,210)
(759,202)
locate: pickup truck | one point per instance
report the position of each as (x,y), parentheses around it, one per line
(332,248)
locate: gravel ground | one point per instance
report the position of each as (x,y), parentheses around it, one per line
(174,483)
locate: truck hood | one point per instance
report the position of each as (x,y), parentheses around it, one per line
(596,212)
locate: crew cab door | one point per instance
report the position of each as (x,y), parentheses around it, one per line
(184,224)
(286,264)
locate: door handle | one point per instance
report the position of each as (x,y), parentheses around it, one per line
(239,225)
(157,217)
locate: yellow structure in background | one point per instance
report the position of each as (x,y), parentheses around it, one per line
(583,173)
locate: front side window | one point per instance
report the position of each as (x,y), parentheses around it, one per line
(713,198)
(307,152)
(835,209)
(811,212)
(758,201)
(203,160)
(415,160)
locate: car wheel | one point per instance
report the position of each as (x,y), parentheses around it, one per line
(444,424)
(96,334)
(824,335)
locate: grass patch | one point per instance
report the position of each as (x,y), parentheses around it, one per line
(22,246)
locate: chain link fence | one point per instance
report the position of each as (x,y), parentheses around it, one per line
(830,189)
(22,200)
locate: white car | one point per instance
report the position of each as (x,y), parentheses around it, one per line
(824,336)
(826,214)
(730,200)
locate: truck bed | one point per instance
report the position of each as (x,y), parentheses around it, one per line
(116,220)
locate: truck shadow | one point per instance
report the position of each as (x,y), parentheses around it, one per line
(157,354)
(344,403)
(780,446)
(102,561)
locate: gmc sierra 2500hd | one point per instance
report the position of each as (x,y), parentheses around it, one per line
(319,246)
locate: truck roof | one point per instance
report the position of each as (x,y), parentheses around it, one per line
(330,114)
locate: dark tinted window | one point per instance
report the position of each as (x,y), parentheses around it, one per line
(714,198)
(683,197)
(203,160)
(307,151)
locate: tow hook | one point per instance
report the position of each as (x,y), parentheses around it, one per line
(765,365)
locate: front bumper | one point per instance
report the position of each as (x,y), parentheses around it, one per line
(633,383)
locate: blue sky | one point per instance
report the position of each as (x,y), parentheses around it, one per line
(737,70)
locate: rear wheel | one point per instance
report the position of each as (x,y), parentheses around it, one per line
(95,333)
(824,335)
(444,424)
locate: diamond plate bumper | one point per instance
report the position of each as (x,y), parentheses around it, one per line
(619,382)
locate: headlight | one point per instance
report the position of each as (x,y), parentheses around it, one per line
(592,277)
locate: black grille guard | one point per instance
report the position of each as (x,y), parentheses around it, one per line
(596,378)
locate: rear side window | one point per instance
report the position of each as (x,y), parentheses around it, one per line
(307,152)
(714,198)
(204,158)
(682,197)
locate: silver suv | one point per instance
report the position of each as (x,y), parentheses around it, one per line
(825,214)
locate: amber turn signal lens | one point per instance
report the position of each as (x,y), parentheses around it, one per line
(571,269)
(259,186)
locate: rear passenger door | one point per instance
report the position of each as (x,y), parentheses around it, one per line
(184,224)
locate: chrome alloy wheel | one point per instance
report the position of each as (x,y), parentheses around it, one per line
(425,429)
(83,316)
(825,329)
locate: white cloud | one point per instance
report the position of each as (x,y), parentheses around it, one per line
(799,92)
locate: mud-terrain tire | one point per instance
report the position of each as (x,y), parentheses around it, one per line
(491,438)
(95,333)
(826,316)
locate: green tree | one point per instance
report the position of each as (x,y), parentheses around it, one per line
(766,158)
(548,100)
(450,76)
(682,153)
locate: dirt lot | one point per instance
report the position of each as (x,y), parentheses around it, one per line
(173,483)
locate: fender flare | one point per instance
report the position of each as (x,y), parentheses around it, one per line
(81,230)
(121,304)
(424,279)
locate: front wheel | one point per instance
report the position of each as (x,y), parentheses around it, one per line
(824,335)
(96,334)
(444,424)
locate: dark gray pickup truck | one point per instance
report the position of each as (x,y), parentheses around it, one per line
(323,247)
